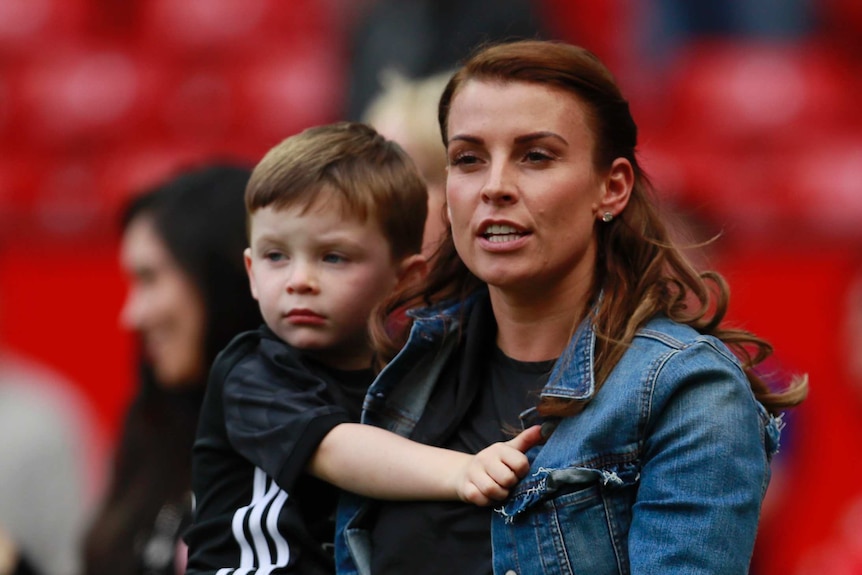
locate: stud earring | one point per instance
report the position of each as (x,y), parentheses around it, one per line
(607,216)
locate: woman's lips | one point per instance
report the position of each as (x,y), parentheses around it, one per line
(502,236)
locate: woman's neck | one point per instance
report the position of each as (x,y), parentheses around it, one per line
(536,327)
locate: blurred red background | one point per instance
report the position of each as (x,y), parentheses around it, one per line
(761,137)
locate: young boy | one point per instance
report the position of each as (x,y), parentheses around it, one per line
(335,215)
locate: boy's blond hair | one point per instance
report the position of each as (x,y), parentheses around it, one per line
(350,164)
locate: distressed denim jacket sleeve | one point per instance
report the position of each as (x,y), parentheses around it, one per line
(705,467)
(663,472)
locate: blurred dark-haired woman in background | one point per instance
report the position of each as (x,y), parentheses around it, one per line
(182,245)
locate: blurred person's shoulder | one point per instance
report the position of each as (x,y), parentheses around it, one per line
(27,383)
(41,411)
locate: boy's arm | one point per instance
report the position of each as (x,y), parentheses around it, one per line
(380,464)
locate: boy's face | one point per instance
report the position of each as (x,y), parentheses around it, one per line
(317,275)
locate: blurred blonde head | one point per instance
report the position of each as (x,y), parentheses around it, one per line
(406,111)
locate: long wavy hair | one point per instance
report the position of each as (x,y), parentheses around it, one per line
(640,272)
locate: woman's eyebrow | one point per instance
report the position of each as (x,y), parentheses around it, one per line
(538,136)
(466,138)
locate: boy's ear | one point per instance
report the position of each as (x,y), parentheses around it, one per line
(246,256)
(411,269)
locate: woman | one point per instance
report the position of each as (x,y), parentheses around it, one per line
(560,298)
(182,251)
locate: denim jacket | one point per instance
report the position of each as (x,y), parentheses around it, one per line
(663,472)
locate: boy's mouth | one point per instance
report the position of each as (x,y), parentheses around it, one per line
(304,316)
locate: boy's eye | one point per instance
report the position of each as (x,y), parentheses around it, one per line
(334,258)
(273,256)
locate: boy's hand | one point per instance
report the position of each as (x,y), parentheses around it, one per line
(493,471)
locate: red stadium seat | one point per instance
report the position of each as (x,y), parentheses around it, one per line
(134,167)
(824,181)
(210,30)
(198,105)
(18,177)
(223,30)
(756,93)
(284,91)
(76,95)
(26,25)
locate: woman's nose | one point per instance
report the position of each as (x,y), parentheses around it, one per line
(131,312)
(500,187)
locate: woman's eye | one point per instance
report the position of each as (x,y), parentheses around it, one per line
(463,159)
(146,276)
(537,156)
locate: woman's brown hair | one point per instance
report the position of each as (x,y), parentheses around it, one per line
(640,273)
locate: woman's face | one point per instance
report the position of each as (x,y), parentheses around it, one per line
(522,192)
(163,306)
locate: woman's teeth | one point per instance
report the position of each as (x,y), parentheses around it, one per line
(498,233)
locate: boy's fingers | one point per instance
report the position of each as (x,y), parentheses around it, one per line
(485,490)
(499,467)
(528,438)
(474,495)
(506,472)
(492,489)
(519,465)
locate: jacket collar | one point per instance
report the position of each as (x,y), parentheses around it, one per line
(573,376)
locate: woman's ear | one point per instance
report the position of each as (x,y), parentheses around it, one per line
(617,188)
(411,269)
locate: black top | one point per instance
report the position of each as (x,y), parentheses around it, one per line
(148,501)
(477,402)
(266,409)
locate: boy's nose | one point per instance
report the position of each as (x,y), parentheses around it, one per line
(302,280)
